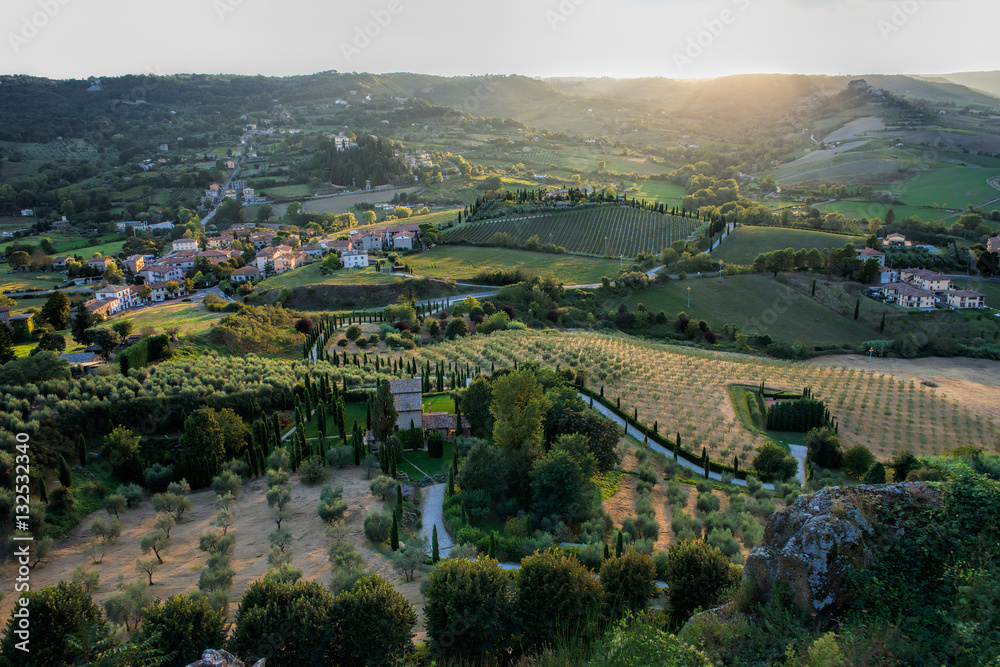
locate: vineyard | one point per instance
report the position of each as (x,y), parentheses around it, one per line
(685,391)
(603,231)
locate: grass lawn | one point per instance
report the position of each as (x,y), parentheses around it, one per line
(300,190)
(745,243)
(191,318)
(309,275)
(758,304)
(464,262)
(21,282)
(951,188)
(439,403)
(412,460)
(24,349)
(352,412)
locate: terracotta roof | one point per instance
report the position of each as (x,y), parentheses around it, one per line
(925,274)
(872,252)
(907,289)
(966,293)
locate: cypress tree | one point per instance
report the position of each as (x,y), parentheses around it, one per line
(619,545)
(399,499)
(607,551)
(81,449)
(857,308)
(704,460)
(492,553)
(65,475)
(394,534)
(435,554)
(881,326)
(42,493)
(813,288)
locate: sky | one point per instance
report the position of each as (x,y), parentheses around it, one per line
(545,38)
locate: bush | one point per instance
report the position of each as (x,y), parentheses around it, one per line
(708,502)
(696,574)
(723,540)
(313,471)
(377,525)
(875,474)
(628,582)
(478,593)
(857,460)
(340,457)
(332,511)
(183,625)
(556,597)
(374,623)
(133,494)
(435,444)
(157,477)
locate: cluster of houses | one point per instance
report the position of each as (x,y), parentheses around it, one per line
(236,190)
(918,288)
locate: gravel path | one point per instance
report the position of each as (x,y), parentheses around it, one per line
(433,515)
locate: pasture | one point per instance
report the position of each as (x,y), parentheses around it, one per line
(866,210)
(189,318)
(463,263)
(954,188)
(607,231)
(310,275)
(758,304)
(745,243)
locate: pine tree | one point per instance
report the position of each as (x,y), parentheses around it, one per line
(435,554)
(394,534)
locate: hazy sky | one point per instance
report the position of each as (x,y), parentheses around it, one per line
(673,38)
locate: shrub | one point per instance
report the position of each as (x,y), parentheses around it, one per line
(183,625)
(383,486)
(628,582)
(157,477)
(333,510)
(313,471)
(133,495)
(377,524)
(857,460)
(708,502)
(696,574)
(723,540)
(556,596)
(435,444)
(875,474)
(479,593)
(340,457)
(375,624)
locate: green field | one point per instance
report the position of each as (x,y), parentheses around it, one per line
(191,318)
(422,460)
(758,304)
(745,243)
(990,289)
(660,191)
(949,188)
(867,210)
(19,282)
(464,262)
(601,231)
(309,275)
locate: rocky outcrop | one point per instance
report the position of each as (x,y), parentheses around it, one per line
(218,658)
(815,543)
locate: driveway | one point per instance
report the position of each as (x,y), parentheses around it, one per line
(433,515)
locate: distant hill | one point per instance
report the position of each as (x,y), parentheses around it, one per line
(986,82)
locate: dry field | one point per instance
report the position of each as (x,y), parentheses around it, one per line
(183,562)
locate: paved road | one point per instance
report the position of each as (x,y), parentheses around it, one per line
(798,451)
(433,515)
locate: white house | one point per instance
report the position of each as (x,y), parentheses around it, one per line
(909,296)
(354,259)
(927,280)
(887,275)
(870,253)
(121,294)
(184,244)
(140,225)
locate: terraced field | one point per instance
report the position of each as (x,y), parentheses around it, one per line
(603,231)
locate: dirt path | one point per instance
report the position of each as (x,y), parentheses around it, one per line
(973,382)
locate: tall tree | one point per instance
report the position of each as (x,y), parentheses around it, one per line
(518,408)
(80,327)
(383,417)
(56,311)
